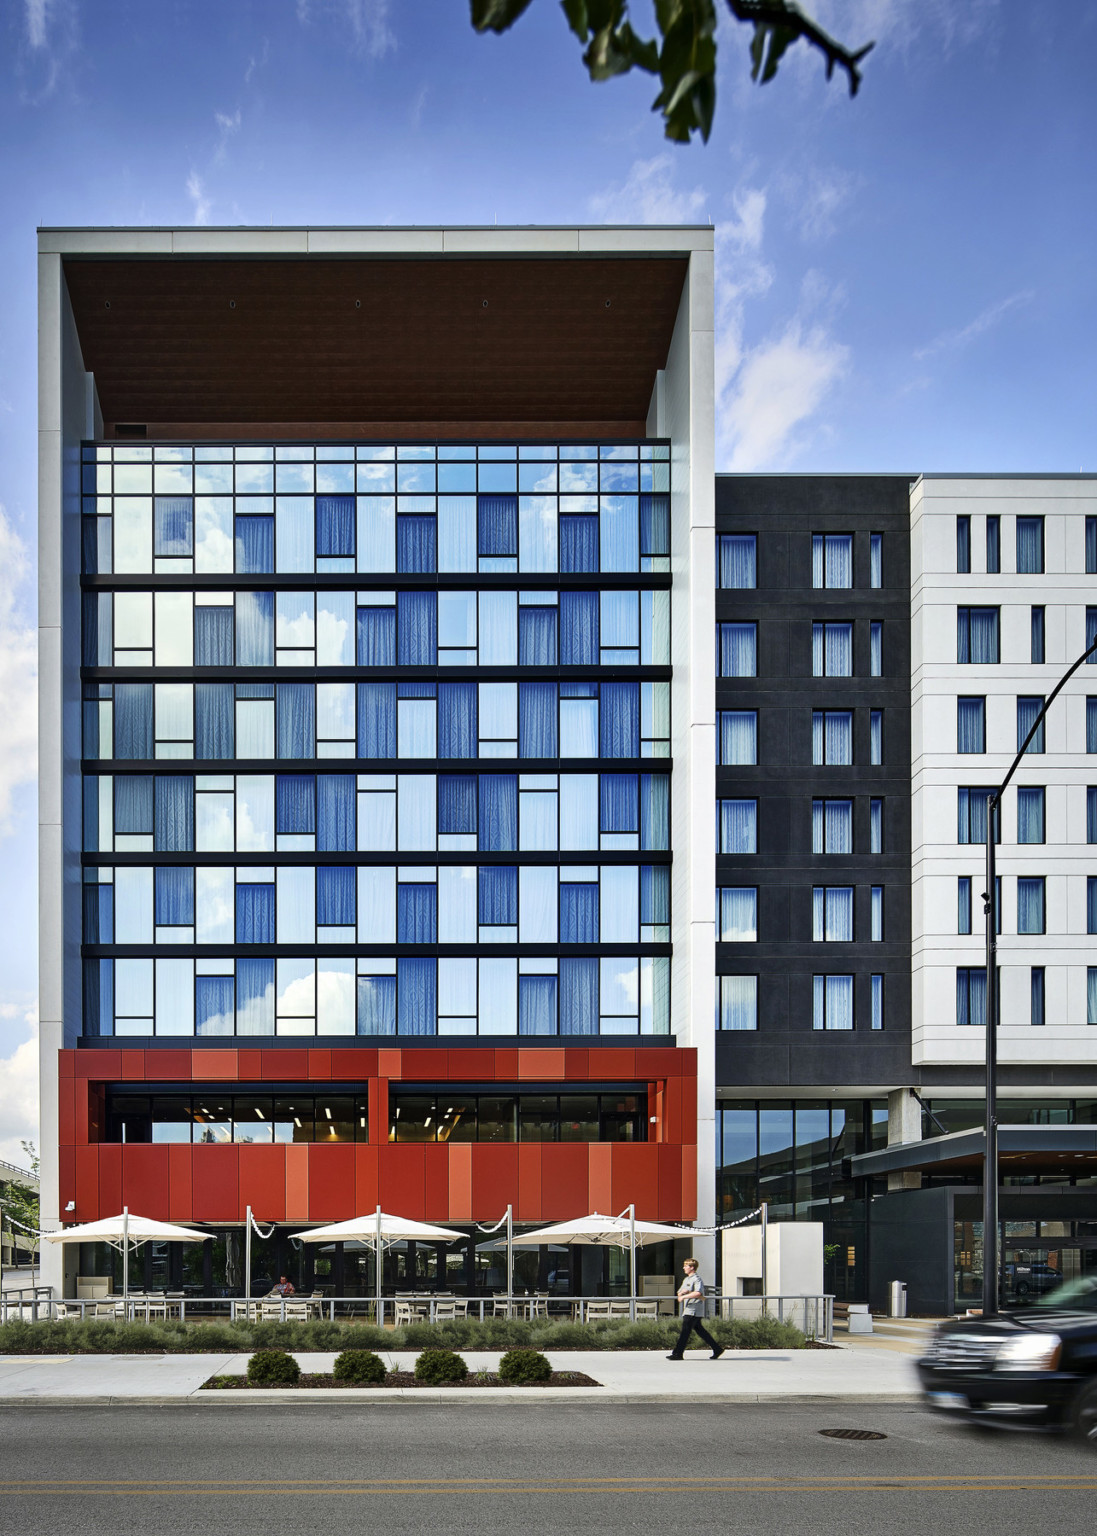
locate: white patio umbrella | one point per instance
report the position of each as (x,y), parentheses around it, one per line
(379,1228)
(622,1231)
(124,1231)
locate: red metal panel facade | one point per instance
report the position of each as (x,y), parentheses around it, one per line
(317,1183)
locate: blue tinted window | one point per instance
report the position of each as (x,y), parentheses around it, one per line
(335,525)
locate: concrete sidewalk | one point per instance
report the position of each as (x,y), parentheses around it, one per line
(741,1376)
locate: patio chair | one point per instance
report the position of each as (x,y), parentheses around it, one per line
(269,1309)
(113,1309)
(647,1309)
(298,1311)
(501,1307)
(599,1309)
(404,1314)
(537,1306)
(445,1311)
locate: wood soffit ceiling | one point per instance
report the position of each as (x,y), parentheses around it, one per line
(254,341)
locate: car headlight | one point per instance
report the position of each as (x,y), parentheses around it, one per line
(1030,1352)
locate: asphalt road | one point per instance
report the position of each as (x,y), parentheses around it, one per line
(760,1469)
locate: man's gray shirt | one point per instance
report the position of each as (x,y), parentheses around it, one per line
(696,1307)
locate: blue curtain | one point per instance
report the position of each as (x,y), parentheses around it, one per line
(99,914)
(97,642)
(254,545)
(876,649)
(376,637)
(971,815)
(737,826)
(578,997)
(970,725)
(654,894)
(335,821)
(1091,634)
(133,721)
(498,895)
(654,811)
(977,636)
(876,736)
(376,719)
(133,804)
(1091,725)
(89,545)
(416,541)
(877,1002)
(1036,995)
(255,997)
(497,518)
(1030,546)
(457,804)
(377,1005)
(1030,814)
(457,720)
(172,526)
(619,809)
(963,904)
(578,545)
(417,991)
(335,525)
(994,542)
(537,1005)
(737,650)
(1030,904)
(98,997)
(1091,993)
(174,895)
(654,524)
(295,711)
(91,728)
(214,1005)
(963,544)
(417,629)
(875,826)
(876,562)
(579,629)
(1091,905)
(578,913)
(537,719)
(536,635)
(416,914)
(738,559)
(832,826)
(1091,815)
(498,812)
(738,737)
(620,720)
(255,914)
(174,813)
(255,629)
(971,995)
(213,637)
(295,802)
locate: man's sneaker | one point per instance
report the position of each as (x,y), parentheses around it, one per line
(675,1357)
(717,1352)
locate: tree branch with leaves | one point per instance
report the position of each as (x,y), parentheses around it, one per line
(683,56)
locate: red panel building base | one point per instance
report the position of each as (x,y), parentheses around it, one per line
(317,1182)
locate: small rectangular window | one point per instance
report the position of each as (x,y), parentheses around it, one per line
(1031,904)
(977,636)
(1091,904)
(1030,546)
(832,1002)
(736,650)
(737,826)
(737,914)
(832,650)
(1091,725)
(1091,635)
(971,734)
(736,560)
(876,560)
(832,560)
(737,738)
(1036,637)
(877,933)
(1091,546)
(876,737)
(877,1002)
(876,649)
(832,826)
(971,809)
(1036,996)
(1030,813)
(876,826)
(832,914)
(963,904)
(1091,814)
(963,544)
(971,995)
(994,545)
(1091,994)
(736,1002)
(832,737)
(1028,711)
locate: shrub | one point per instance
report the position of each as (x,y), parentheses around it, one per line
(521,1367)
(359,1368)
(273,1368)
(436,1366)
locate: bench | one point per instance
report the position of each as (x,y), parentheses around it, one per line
(861,1320)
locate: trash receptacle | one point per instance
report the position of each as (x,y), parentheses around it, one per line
(897,1303)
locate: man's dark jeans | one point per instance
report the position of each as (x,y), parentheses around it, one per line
(691,1325)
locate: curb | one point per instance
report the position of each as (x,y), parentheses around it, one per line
(584,1396)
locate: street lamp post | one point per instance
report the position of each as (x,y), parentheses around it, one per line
(991,1256)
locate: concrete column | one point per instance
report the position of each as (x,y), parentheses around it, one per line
(904,1125)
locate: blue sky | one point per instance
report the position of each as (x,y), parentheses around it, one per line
(905,281)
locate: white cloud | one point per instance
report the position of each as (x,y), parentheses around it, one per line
(196,191)
(18,676)
(368,21)
(781,383)
(648,196)
(37,13)
(226,127)
(51,34)
(985,320)
(19,1075)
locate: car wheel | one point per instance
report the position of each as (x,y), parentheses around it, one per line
(1022,1288)
(1084,1414)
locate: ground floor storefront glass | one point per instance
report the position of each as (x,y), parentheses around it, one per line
(1037,1258)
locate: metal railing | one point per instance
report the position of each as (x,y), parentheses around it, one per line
(813,1315)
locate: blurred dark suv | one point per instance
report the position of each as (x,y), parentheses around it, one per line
(1036,1366)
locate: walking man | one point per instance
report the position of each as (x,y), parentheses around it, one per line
(691,1293)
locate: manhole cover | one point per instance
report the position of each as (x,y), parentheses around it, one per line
(853,1434)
